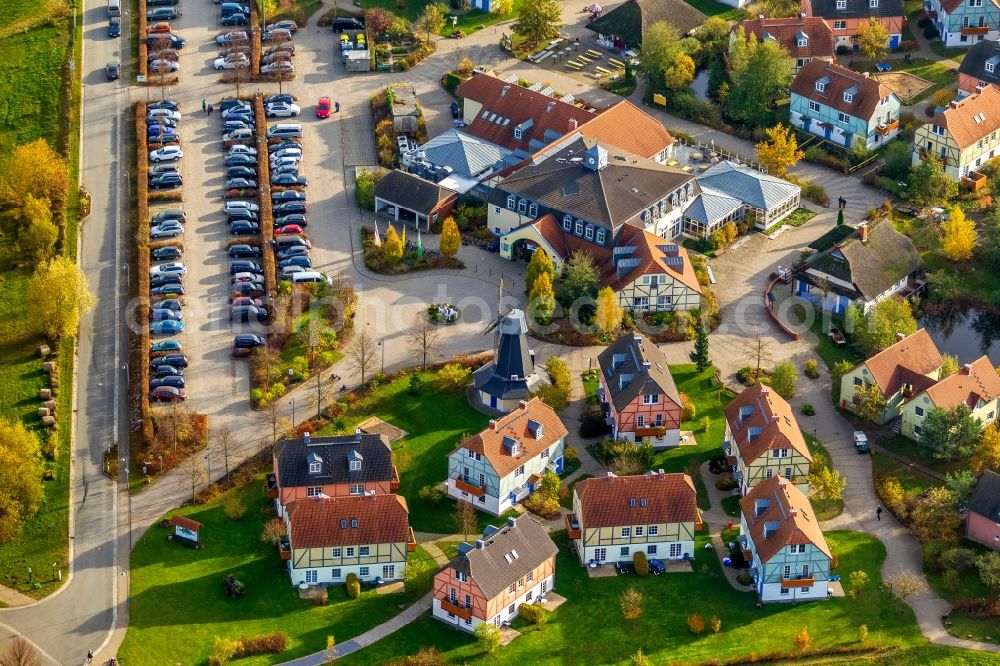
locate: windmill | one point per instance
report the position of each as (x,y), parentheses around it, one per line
(494,326)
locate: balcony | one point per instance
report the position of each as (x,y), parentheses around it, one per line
(469,487)
(453,608)
(411,541)
(271,487)
(976,30)
(394,481)
(573,530)
(887,128)
(974,181)
(941,159)
(808,581)
(656,431)
(285,550)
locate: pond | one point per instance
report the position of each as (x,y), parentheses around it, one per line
(964,332)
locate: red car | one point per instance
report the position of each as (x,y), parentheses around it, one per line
(323,108)
(289,230)
(159,28)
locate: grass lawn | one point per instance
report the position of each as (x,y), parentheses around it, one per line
(830,352)
(798,217)
(421,456)
(469,22)
(955,53)
(567,501)
(932,70)
(590,617)
(713,8)
(825,510)
(908,477)
(591,382)
(831,238)
(449,548)
(178,607)
(907,447)
(970,586)
(299,12)
(731,505)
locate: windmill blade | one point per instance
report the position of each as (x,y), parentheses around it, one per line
(492,326)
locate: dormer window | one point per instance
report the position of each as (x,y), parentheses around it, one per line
(802,42)
(511,202)
(632,503)
(315,463)
(820,86)
(579,227)
(848,97)
(567,222)
(522,206)
(873,3)
(600,236)
(354,460)
(355,465)
(990,67)
(841,4)
(589,234)
(518,133)
(533,210)
(753,433)
(354,522)
(975,3)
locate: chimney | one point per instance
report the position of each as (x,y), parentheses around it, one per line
(305,437)
(571,124)
(504,91)
(863,232)
(953,104)
(551,106)
(900,337)
(967,368)
(793,512)
(866,75)
(646,365)
(660,472)
(523,404)
(760,16)
(493,424)
(479,544)
(610,475)
(511,522)
(764,390)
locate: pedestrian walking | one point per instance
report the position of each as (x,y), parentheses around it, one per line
(878,513)
(209,109)
(204,103)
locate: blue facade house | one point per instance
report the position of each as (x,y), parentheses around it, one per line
(964,22)
(843,106)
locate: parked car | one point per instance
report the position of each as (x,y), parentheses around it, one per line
(175,41)
(161,169)
(239,159)
(172,267)
(175,381)
(290,180)
(241,172)
(276,67)
(234,20)
(244,266)
(288,48)
(233,50)
(242,251)
(247,313)
(287,24)
(161,3)
(164,139)
(276,35)
(166,327)
(161,126)
(289,271)
(113,70)
(169,304)
(169,214)
(230,126)
(287,195)
(285,242)
(244,228)
(283,167)
(158,112)
(247,289)
(168,253)
(289,230)
(168,104)
(164,314)
(246,300)
(114,26)
(288,207)
(248,340)
(341,23)
(293,251)
(291,218)
(241,184)
(288,144)
(165,346)
(176,360)
(167,181)
(167,230)
(243,150)
(229,102)
(163,65)
(232,62)
(244,134)
(323,107)
(241,205)
(300,260)
(238,113)
(160,280)
(167,394)
(162,14)
(166,154)
(281,110)
(230,8)
(241,214)
(168,288)
(246,276)
(159,27)
(165,54)
(232,37)
(290,151)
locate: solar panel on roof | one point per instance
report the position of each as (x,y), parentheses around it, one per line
(673,261)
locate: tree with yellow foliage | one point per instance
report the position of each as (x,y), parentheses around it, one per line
(608,316)
(958,235)
(986,454)
(34,168)
(39,234)
(60,296)
(451,240)
(542,299)
(780,151)
(680,73)
(392,248)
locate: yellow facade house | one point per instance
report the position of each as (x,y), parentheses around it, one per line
(963,136)
(976,384)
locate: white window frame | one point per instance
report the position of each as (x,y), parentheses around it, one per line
(364,572)
(350,551)
(314,491)
(601,235)
(315,467)
(640,421)
(578,230)
(355,465)
(357,489)
(653,530)
(336,552)
(567,223)
(676,550)
(364,551)
(589,233)
(626,532)
(638,530)
(651,549)
(813,106)
(312,576)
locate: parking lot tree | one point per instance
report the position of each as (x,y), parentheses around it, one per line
(780,151)
(392,247)
(542,299)
(281,57)
(700,354)
(608,314)
(225,443)
(873,37)
(464,518)
(267,360)
(986,453)
(878,328)
(451,239)
(432,19)
(958,235)
(759,75)
(61,296)
(193,474)
(33,168)
(679,73)
(948,434)
(162,68)
(38,238)
(267,8)
(21,476)
(273,417)
(424,341)
(826,484)
(930,186)
(539,21)
(362,354)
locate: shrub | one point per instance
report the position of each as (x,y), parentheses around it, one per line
(631,602)
(808,410)
(273,643)
(957,559)
(863,633)
(745,578)
(688,409)
(925,22)
(570,454)
(432,494)
(640,563)
(706,423)
(783,379)
(716,625)
(364,188)
(746,375)
(718,465)
(696,623)
(353,586)
(234,507)
(930,32)
(726,482)
(811,369)
(843,50)
(640,659)
(533,613)
(859,579)
(488,635)
(839,369)
(223,651)
(803,640)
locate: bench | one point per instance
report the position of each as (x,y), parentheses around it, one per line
(542,56)
(606,72)
(616,63)
(584,59)
(596,55)
(572,64)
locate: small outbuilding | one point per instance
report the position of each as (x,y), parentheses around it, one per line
(357,60)
(413,200)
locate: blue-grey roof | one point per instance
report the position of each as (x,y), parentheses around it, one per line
(468,155)
(711,205)
(748,185)
(511,374)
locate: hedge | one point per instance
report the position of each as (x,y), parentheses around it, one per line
(143,47)
(533,613)
(264,198)
(141,239)
(255,47)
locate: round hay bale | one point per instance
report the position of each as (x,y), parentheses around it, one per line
(49,367)
(45,394)
(48,421)
(51,404)
(43,412)
(44,351)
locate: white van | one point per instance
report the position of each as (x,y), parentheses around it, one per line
(285,131)
(309,276)
(114,7)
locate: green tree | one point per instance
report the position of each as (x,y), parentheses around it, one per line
(950,365)
(364,188)
(392,247)
(545,500)
(759,82)
(680,72)
(542,300)
(783,378)
(878,328)
(700,354)
(989,570)
(859,579)
(60,296)
(379,20)
(539,21)
(450,240)
(501,7)
(933,517)
(873,38)
(780,151)
(660,47)
(898,160)
(869,403)
(986,454)
(488,635)
(930,185)
(579,277)
(950,433)
(826,485)
(960,483)
(714,30)
(538,264)
(432,20)
(958,235)
(39,233)
(20,476)
(609,314)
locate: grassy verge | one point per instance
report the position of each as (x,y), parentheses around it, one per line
(907,447)
(911,479)
(590,617)
(824,509)
(178,607)
(831,238)
(731,505)
(470,21)
(969,586)
(567,502)
(300,12)
(713,8)
(449,548)
(828,350)
(797,218)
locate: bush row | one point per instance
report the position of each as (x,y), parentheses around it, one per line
(143,47)
(142,254)
(264,197)
(255,47)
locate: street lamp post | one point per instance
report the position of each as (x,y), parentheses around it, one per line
(124,462)
(380,344)
(208,462)
(292,403)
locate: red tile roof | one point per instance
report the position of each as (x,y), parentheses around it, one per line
(972,383)
(790,509)
(318,523)
(628,127)
(867,95)
(970,119)
(819,43)
(951,5)
(504,101)
(769,412)
(659,498)
(489,442)
(906,362)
